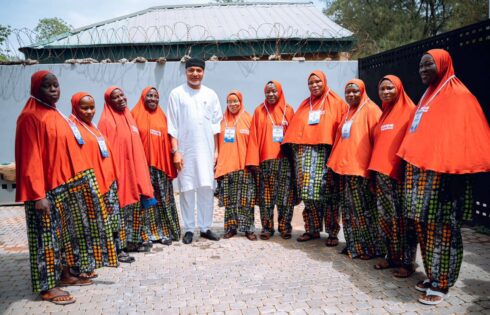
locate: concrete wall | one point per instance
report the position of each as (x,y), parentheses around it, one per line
(249,77)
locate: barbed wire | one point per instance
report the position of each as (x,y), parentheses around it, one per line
(172,42)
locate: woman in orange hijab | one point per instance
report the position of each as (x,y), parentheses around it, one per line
(310,137)
(163,219)
(264,157)
(447,139)
(59,191)
(350,159)
(135,190)
(101,159)
(236,185)
(398,232)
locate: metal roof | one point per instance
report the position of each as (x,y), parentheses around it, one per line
(207,23)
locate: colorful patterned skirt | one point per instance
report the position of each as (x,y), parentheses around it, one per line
(134,222)
(310,171)
(236,192)
(332,204)
(162,219)
(276,187)
(438,203)
(76,233)
(359,218)
(397,231)
(115,217)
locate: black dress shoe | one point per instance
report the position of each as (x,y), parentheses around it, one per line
(187,239)
(166,241)
(210,235)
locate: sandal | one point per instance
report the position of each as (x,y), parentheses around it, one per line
(365,257)
(403,272)
(427,298)
(423,286)
(286,235)
(79,282)
(59,297)
(332,241)
(308,237)
(87,275)
(251,236)
(385,264)
(344,251)
(265,235)
(125,258)
(229,234)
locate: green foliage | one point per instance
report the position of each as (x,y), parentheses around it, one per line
(5,32)
(49,27)
(384,24)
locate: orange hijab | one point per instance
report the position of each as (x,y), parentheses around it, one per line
(154,135)
(133,175)
(390,131)
(351,156)
(47,154)
(260,146)
(453,136)
(332,107)
(231,155)
(104,168)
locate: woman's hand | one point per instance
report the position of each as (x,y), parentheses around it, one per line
(42,206)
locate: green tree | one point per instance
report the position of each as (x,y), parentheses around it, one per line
(5,32)
(384,24)
(49,27)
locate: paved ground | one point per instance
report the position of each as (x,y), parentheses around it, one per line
(237,276)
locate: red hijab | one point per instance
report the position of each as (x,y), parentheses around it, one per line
(231,155)
(351,156)
(152,125)
(104,168)
(390,131)
(332,107)
(453,136)
(260,146)
(47,154)
(122,134)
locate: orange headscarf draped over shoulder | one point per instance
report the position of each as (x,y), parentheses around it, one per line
(351,156)
(453,135)
(104,168)
(120,130)
(389,132)
(260,146)
(332,108)
(231,155)
(47,154)
(152,125)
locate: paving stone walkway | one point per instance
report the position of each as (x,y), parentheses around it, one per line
(237,276)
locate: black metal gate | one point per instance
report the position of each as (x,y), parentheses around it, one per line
(470,50)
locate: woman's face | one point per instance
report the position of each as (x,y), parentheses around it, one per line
(428,70)
(49,91)
(315,84)
(119,100)
(387,91)
(271,94)
(86,109)
(233,104)
(151,99)
(352,94)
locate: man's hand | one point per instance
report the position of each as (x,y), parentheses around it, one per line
(42,206)
(178,161)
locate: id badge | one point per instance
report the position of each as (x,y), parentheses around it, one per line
(103,147)
(277,133)
(417,118)
(76,132)
(346,129)
(314,117)
(230,134)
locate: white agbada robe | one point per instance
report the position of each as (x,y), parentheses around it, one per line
(194,118)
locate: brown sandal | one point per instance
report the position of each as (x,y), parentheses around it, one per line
(286,235)
(251,236)
(229,234)
(265,235)
(332,241)
(308,237)
(403,272)
(58,297)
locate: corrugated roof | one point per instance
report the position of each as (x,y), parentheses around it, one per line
(208,23)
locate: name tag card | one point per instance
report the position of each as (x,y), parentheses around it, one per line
(155,132)
(387,127)
(277,133)
(229,134)
(103,147)
(346,129)
(314,117)
(76,132)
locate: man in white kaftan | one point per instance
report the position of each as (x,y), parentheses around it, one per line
(194,115)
